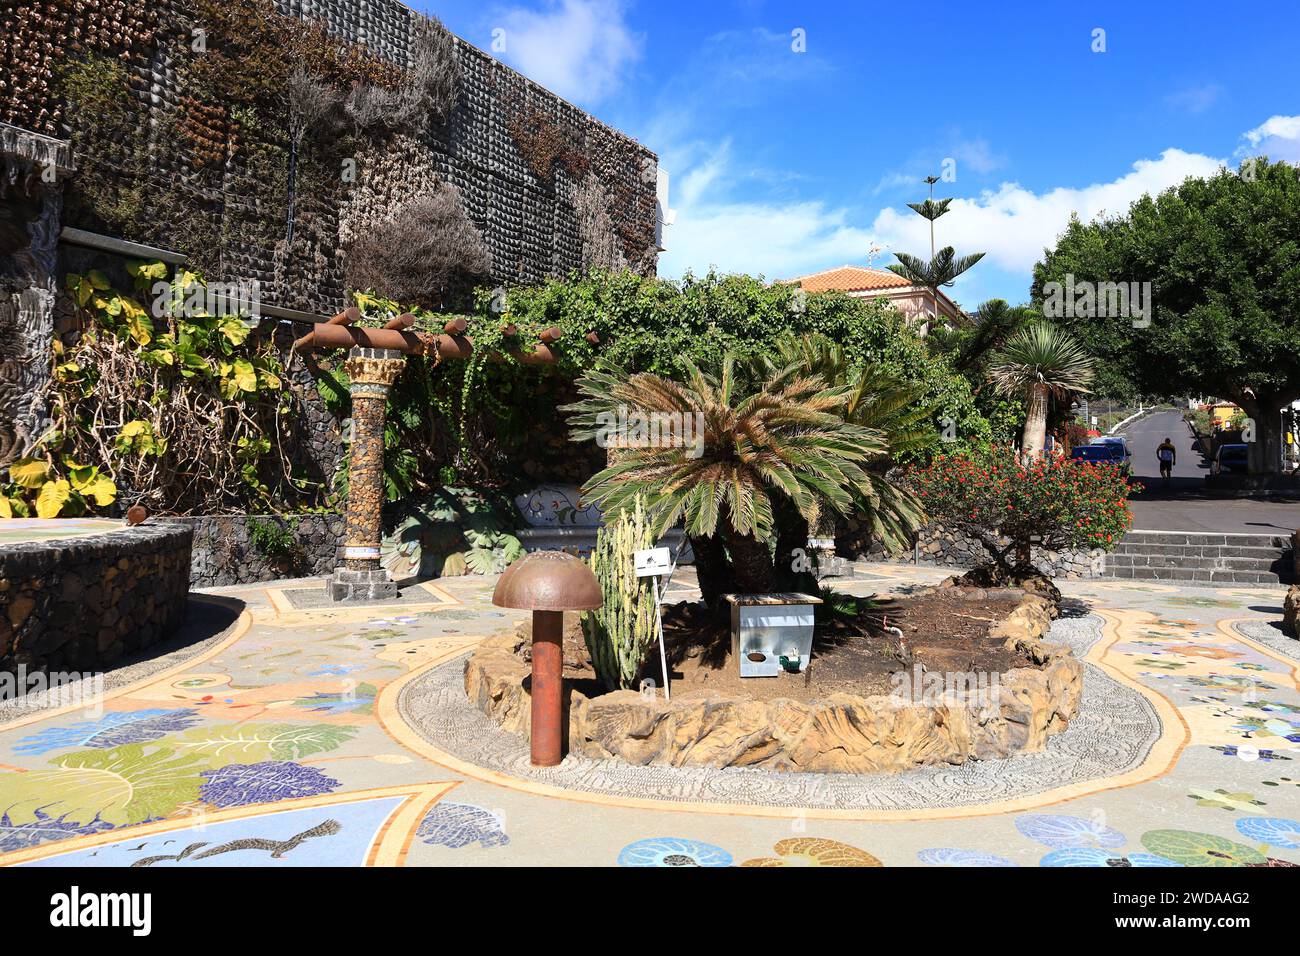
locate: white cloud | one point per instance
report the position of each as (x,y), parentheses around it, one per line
(1278,137)
(777,241)
(578,49)
(976,154)
(1013,224)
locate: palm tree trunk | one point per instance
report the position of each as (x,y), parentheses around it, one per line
(791,536)
(1035,434)
(751,566)
(710,569)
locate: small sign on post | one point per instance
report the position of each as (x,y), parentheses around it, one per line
(652,563)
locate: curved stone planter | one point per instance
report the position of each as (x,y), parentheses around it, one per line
(841,733)
(77,603)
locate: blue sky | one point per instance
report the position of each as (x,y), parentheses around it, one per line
(784,162)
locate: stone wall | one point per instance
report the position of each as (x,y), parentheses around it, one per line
(937,545)
(226,552)
(31,200)
(79,603)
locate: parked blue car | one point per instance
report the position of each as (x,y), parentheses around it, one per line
(1102,455)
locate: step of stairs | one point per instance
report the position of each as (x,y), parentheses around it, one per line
(1202,558)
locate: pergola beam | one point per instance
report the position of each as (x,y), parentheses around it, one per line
(340,332)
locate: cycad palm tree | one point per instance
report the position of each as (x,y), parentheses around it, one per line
(783,441)
(1038,364)
(882,403)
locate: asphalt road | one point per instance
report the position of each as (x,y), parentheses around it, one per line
(1182,504)
(1145,434)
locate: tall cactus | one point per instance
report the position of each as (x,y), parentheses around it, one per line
(620,634)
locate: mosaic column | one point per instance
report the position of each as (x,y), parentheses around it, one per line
(360,577)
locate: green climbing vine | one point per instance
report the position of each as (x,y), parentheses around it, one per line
(168,400)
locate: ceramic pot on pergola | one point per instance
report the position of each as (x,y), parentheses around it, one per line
(376,357)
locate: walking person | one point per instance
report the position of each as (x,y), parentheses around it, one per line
(1167,455)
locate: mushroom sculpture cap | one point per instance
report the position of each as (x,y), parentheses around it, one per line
(548,581)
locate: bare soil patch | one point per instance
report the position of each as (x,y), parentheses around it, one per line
(943,630)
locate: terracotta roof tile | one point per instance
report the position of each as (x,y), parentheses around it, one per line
(849,279)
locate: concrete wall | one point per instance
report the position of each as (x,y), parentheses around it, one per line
(79,603)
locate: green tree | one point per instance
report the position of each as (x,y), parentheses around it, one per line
(1038,364)
(970,344)
(1223,258)
(1054,503)
(657,325)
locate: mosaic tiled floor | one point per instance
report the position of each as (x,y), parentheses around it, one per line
(303,737)
(15,530)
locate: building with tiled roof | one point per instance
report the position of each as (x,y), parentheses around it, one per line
(915,302)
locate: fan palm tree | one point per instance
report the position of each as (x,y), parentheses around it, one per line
(782,441)
(1040,363)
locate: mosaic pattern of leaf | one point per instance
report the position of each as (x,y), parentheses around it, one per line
(1225,800)
(1200,849)
(812,851)
(43,829)
(254,743)
(360,700)
(1094,856)
(672,851)
(122,785)
(1273,831)
(1060,831)
(952,856)
(457,825)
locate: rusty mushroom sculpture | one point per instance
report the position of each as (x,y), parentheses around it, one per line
(548,583)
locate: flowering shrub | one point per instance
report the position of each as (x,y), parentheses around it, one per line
(1054,502)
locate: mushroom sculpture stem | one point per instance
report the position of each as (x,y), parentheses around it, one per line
(548,583)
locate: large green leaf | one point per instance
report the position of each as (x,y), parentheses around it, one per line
(52,497)
(29,472)
(253,743)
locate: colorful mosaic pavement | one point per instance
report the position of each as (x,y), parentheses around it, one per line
(15,530)
(286,743)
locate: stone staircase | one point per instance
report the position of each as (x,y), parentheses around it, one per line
(1202,558)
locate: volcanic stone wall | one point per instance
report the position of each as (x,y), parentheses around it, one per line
(226,550)
(163,159)
(78,603)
